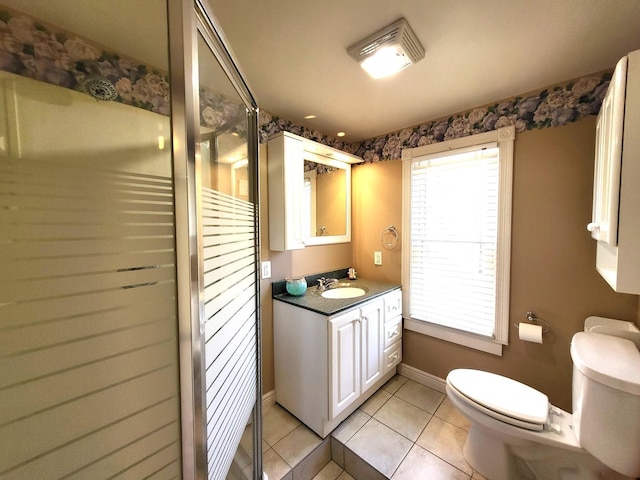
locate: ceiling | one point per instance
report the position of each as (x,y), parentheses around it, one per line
(293,55)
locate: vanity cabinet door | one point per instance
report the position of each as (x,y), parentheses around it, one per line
(345,361)
(372,329)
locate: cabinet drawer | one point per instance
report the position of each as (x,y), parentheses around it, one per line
(392,304)
(392,356)
(392,331)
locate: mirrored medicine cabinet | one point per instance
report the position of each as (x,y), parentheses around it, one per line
(309,193)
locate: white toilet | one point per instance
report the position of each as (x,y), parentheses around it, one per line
(516,434)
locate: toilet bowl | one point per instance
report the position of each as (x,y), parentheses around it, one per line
(516,433)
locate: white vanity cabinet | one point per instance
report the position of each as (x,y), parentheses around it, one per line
(327,366)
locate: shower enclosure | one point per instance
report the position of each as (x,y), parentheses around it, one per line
(129,316)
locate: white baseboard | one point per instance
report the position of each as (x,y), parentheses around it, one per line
(422,378)
(268,399)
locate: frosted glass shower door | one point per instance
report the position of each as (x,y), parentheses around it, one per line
(88,330)
(227,216)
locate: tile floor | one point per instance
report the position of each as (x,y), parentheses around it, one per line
(404,431)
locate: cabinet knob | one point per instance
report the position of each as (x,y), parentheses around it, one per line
(593,227)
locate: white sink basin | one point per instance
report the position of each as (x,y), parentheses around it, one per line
(345,292)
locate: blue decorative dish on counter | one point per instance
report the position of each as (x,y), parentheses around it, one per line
(296,286)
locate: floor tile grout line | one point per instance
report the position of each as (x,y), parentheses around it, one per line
(438,456)
(402,434)
(445,460)
(403,459)
(292,467)
(413,443)
(363,460)
(285,462)
(431,415)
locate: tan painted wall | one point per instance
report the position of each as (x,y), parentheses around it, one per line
(552,268)
(553,257)
(376,197)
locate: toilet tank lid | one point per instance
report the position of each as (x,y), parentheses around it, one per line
(611,361)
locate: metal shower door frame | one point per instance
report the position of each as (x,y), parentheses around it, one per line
(186,19)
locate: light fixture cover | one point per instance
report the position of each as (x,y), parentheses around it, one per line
(396,40)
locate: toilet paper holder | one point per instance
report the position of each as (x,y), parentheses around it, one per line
(531,317)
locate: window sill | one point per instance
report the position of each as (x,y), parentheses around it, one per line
(454,336)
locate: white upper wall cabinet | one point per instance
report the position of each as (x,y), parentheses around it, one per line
(309,193)
(616,195)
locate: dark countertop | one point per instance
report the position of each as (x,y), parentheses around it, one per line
(312,300)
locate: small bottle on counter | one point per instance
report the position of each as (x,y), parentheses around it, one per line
(353,275)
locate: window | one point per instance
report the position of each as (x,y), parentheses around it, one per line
(456,242)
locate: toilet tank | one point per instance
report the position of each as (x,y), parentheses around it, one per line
(606,399)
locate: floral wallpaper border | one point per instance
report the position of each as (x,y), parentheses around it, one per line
(550,107)
(270,125)
(30,48)
(33,49)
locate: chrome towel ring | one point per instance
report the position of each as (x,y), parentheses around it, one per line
(389,237)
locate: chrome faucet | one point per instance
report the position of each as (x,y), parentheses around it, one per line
(325,283)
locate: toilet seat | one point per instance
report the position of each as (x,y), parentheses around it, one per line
(502,398)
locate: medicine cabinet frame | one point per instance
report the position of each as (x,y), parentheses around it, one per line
(287,153)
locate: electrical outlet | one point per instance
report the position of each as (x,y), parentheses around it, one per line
(377,258)
(266,270)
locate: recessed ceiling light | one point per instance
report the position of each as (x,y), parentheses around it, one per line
(340,134)
(310,117)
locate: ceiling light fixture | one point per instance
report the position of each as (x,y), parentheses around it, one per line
(389,50)
(340,134)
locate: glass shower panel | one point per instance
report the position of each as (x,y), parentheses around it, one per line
(88,328)
(229,243)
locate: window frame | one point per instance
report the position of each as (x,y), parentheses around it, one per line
(504,137)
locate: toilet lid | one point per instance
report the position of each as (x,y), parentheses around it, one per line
(609,360)
(502,397)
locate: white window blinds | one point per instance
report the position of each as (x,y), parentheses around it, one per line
(453,235)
